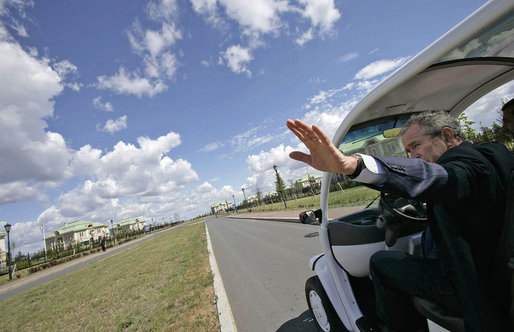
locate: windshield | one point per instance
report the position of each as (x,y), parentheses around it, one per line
(371,140)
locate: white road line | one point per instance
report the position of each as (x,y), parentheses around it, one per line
(224,312)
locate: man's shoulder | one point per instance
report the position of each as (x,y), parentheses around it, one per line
(489,151)
(482,155)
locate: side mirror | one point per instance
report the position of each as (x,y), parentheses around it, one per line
(310,216)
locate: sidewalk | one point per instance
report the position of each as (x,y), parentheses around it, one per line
(292,215)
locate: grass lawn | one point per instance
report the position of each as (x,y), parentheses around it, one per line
(160,285)
(360,195)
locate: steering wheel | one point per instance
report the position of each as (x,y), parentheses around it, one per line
(399,215)
(404,209)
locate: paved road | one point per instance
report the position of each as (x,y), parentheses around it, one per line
(264,266)
(18,286)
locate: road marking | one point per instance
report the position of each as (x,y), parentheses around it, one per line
(226,319)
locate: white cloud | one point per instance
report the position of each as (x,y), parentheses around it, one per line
(264,161)
(131,83)
(6,10)
(112,126)
(348,57)
(322,13)
(379,67)
(126,181)
(154,47)
(27,236)
(212,146)
(162,10)
(486,110)
(251,139)
(16,191)
(107,106)
(208,9)
(153,42)
(28,152)
(261,16)
(262,172)
(65,68)
(305,37)
(237,57)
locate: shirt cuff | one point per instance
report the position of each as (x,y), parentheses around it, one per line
(373,173)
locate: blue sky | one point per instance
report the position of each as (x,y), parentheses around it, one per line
(118,109)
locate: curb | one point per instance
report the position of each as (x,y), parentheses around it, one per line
(226,319)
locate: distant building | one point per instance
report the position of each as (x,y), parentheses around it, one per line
(271,196)
(75,233)
(221,206)
(3,251)
(375,145)
(308,181)
(252,199)
(131,225)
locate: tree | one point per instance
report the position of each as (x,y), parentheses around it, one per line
(468,133)
(292,185)
(279,184)
(312,183)
(259,195)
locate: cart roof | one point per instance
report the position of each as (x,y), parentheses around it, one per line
(469,61)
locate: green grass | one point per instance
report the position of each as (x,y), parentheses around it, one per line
(164,284)
(355,196)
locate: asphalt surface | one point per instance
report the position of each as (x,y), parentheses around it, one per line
(264,265)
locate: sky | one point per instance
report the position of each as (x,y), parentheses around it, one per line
(158,109)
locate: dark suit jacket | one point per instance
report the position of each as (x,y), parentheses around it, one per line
(465,195)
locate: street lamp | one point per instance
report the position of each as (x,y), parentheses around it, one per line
(282,195)
(243,189)
(8,229)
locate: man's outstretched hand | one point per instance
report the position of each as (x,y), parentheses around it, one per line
(324,155)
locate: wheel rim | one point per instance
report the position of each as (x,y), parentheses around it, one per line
(319,311)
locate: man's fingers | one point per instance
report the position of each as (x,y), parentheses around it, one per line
(321,135)
(300,156)
(299,133)
(305,129)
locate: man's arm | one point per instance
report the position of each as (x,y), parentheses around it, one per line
(408,177)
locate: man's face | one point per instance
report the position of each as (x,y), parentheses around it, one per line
(419,145)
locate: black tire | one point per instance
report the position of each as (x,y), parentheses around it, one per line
(324,315)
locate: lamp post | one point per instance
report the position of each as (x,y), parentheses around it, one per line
(282,195)
(8,229)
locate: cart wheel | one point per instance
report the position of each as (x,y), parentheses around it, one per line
(320,307)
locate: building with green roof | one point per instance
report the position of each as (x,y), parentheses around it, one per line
(131,225)
(76,233)
(308,181)
(221,206)
(375,145)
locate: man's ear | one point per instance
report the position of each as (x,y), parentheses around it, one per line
(448,134)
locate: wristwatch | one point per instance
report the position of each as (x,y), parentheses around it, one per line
(360,166)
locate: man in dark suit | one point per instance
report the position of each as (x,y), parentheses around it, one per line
(464,187)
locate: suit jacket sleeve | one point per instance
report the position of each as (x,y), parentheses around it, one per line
(461,174)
